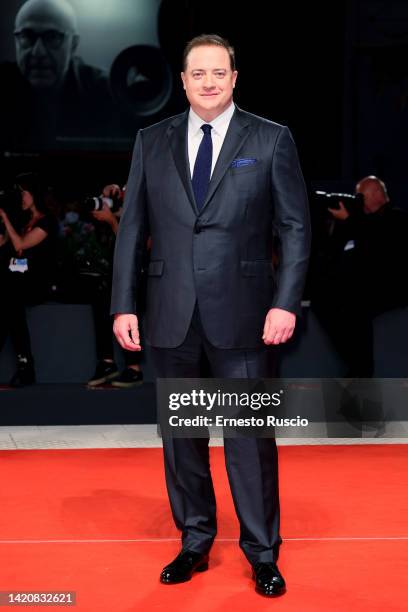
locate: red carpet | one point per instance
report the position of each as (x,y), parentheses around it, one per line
(344,524)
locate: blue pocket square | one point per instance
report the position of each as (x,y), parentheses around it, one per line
(245,161)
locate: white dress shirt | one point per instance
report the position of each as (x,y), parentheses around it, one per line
(195,134)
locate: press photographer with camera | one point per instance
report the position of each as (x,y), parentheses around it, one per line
(106,211)
(27,279)
(359,269)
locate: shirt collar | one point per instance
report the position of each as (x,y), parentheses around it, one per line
(219,124)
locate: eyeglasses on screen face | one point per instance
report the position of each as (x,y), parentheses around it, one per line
(27,38)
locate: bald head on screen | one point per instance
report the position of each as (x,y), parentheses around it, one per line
(46,36)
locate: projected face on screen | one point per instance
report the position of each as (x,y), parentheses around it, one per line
(79,74)
(46,38)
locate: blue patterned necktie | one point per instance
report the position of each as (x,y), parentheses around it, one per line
(202,166)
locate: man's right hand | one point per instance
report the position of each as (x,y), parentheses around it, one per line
(126,330)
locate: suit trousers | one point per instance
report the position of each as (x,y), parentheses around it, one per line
(252,463)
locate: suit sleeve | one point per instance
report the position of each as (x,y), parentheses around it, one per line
(131,238)
(291,222)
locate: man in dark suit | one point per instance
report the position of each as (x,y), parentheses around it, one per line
(214,185)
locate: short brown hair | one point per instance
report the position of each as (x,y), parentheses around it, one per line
(209,40)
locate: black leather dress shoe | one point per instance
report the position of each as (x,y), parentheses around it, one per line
(268,579)
(184,565)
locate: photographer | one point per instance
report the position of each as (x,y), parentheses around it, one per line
(359,272)
(28,277)
(99,291)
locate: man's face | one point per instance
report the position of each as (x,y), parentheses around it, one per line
(209,81)
(43,50)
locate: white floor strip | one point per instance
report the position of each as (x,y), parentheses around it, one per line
(159,540)
(145,436)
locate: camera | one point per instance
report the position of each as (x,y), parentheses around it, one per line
(352,202)
(96,203)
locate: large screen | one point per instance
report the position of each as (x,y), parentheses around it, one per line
(79,74)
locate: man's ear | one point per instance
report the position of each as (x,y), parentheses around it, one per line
(75,43)
(183,78)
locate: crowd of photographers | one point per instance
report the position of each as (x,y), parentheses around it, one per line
(64,252)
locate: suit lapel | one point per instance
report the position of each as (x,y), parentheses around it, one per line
(177,135)
(237,133)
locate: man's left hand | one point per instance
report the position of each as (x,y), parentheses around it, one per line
(279,326)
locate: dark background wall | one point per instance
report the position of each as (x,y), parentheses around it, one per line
(290,58)
(335,72)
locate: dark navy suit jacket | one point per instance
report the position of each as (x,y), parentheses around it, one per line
(220,257)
